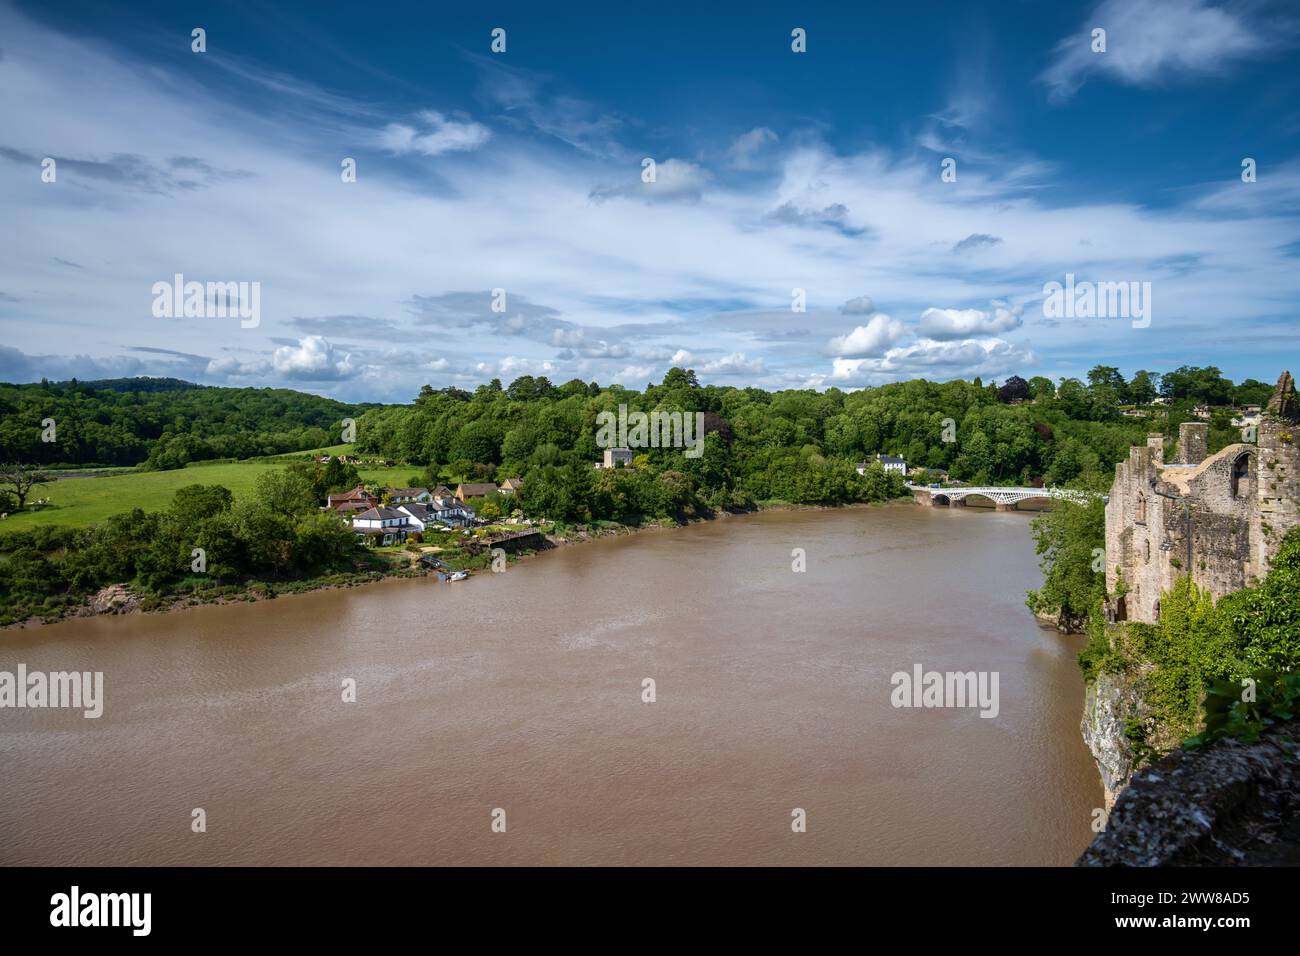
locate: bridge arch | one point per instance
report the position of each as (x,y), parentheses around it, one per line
(1042,502)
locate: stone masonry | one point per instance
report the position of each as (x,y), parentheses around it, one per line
(1220,517)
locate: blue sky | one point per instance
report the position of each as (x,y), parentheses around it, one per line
(522,170)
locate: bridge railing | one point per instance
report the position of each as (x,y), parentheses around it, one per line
(995,492)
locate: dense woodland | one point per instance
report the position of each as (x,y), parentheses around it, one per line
(160,423)
(796,445)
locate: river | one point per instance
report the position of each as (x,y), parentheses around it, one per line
(523,691)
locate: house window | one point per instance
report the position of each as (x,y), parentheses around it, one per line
(1240,480)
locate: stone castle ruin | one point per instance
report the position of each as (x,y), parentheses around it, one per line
(1220,518)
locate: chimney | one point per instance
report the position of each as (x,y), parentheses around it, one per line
(1156,445)
(1192,440)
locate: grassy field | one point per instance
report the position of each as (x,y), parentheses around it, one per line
(83,501)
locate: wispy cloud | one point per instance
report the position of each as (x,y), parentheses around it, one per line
(1158,41)
(372,288)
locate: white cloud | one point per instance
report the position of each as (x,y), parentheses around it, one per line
(733,364)
(1155,40)
(623,283)
(438,135)
(675,180)
(880,332)
(963,323)
(680,357)
(744,151)
(512,366)
(634,376)
(936,360)
(313,359)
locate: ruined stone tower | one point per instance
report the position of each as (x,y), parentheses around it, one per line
(1279,474)
(1219,518)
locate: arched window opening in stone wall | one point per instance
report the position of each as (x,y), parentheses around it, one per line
(1240,480)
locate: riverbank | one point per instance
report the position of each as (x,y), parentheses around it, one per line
(121,599)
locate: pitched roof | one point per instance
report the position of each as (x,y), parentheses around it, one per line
(356,493)
(407,492)
(475,488)
(383,514)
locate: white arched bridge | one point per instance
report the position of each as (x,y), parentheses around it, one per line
(1005,499)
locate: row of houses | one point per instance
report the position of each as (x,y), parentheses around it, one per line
(1244,414)
(411,509)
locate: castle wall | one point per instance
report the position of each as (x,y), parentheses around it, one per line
(1279,490)
(1236,506)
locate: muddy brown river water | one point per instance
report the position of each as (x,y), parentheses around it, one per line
(523,691)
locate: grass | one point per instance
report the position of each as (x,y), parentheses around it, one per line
(83,501)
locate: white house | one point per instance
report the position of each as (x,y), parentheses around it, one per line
(451,511)
(418,516)
(382,525)
(888,462)
(400,496)
(1247,419)
(616,458)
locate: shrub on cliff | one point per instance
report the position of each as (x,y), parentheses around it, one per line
(1068,538)
(1195,658)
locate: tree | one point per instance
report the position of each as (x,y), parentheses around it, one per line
(1143,387)
(477,441)
(489,391)
(676,491)
(1015,389)
(21,479)
(285,493)
(1068,538)
(487,507)
(680,377)
(1252,392)
(1106,375)
(1041,387)
(195,503)
(1205,385)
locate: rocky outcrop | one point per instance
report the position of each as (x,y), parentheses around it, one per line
(114,599)
(1228,804)
(1110,701)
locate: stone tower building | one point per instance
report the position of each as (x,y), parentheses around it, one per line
(1220,518)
